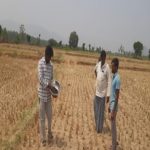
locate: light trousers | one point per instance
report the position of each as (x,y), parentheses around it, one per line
(45,109)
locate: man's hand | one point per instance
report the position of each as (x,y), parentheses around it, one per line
(108,109)
(55,96)
(48,86)
(95,74)
(107,99)
(112,115)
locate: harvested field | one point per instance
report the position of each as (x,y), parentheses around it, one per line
(73,120)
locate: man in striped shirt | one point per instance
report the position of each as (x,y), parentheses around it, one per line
(45,75)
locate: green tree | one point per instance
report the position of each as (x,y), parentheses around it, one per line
(38,42)
(5,35)
(121,50)
(138,47)
(98,49)
(83,46)
(53,42)
(73,40)
(39,39)
(28,38)
(89,47)
(60,43)
(22,33)
(0,30)
(93,48)
(17,40)
(149,54)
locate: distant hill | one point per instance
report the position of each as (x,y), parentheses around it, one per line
(33,30)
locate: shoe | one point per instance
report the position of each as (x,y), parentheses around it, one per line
(117,143)
(50,137)
(44,143)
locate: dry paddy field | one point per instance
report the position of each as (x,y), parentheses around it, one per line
(73,121)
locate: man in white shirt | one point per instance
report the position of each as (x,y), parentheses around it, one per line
(103,85)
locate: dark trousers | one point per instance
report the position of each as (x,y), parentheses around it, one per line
(99,108)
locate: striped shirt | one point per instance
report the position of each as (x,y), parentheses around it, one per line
(45,75)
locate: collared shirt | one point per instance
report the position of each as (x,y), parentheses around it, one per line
(103,80)
(45,75)
(115,86)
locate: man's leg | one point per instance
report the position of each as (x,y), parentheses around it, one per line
(114,134)
(49,118)
(42,120)
(95,110)
(101,109)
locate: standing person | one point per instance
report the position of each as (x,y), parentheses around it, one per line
(45,75)
(113,104)
(103,84)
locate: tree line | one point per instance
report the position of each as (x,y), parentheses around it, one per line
(138,50)
(22,37)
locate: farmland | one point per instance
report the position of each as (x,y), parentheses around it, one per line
(73,120)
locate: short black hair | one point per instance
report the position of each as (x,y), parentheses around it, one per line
(103,53)
(115,61)
(49,51)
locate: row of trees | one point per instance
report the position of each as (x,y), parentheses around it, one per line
(138,48)
(20,37)
(3,34)
(23,37)
(73,43)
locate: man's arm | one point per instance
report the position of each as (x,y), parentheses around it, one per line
(43,81)
(108,83)
(95,73)
(95,70)
(52,73)
(116,101)
(117,91)
(49,84)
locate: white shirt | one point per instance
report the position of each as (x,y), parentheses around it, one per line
(103,80)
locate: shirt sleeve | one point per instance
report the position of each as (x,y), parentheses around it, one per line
(52,73)
(95,68)
(118,84)
(109,81)
(42,81)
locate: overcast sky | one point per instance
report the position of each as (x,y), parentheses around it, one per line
(106,23)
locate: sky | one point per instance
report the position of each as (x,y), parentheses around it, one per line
(105,23)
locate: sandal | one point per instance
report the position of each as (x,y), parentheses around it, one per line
(44,143)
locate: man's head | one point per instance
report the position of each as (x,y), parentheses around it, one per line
(48,53)
(115,65)
(102,57)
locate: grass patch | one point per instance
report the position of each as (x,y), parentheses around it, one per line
(26,120)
